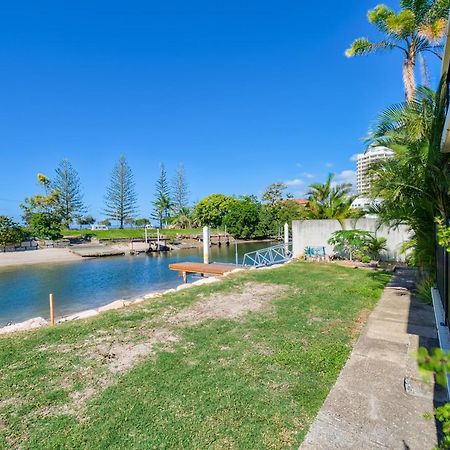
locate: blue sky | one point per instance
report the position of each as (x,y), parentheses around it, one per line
(242,94)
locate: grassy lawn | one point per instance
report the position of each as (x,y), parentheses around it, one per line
(245,363)
(129,233)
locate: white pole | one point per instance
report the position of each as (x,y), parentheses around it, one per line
(286,237)
(206,237)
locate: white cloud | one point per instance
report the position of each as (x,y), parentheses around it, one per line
(354,157)
(346,176)
(328,165)
(294,182)
(308,175)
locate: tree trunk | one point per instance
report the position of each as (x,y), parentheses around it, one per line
(408,78)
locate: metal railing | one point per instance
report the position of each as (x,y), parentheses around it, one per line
(268,256)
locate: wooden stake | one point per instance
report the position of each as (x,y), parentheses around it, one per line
(52,310)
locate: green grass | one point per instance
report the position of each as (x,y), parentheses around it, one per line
(129,233)
(255,382)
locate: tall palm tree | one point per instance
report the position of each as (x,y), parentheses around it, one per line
(330,201)
(406,123)
(415,184)
(416,30)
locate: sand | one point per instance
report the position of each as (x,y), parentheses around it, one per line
(46,255)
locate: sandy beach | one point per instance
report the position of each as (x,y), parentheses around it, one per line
(46,255)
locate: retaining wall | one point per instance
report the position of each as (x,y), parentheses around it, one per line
(315,233)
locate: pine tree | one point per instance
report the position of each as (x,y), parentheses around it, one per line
(120,199)
(162,205)
(180,191)
(70,196)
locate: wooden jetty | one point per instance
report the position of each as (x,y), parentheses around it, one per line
(185,268)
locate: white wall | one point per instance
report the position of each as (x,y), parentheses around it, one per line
(315,233)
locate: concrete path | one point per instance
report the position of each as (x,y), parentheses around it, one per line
(379,399)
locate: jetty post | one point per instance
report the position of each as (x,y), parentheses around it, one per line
(206,239)
(52,309)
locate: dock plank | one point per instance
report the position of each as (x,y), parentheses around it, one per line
(195,267)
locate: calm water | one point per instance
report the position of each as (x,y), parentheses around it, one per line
(94,282)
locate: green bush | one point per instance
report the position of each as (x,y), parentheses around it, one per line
(357,244)
(10,232)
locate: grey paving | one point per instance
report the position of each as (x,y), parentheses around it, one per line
(379,399)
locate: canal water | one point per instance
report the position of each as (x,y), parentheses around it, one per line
(91,283)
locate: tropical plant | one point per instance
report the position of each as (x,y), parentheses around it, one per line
(162,205)
(120,198)
(414,185)
(415,30)
(357,244)
(331,201)
(212,209)
(406,123)
(142,222)
(70,196)
(184,219)
(10,232)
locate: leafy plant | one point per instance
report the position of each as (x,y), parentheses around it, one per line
(437,364)
(10,232)
(331,201)
(357,244)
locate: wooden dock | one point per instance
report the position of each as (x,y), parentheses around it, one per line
(185,268)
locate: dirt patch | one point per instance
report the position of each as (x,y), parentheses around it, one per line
(250,297)
(359,324)
(122,355)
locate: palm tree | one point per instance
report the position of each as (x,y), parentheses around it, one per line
(406,123)
(331,201)
(414,185)
(416,30)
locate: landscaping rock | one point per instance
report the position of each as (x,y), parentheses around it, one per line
(111,306)
(30,324)
(138,300)
(208,280)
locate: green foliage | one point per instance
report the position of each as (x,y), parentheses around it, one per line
(44,226)
(142,222)
(212,209)
(180,192)
(414,185)
(274,193)
(437,364)
(85,220)
(120,198)
(184,219)
(357,244)
(417,29)
(423,288)
(10,232)
(105,222)
(329,201)
(162,205)
(70,197)
(243,218)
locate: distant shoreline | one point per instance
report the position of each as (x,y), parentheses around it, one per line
(41,256)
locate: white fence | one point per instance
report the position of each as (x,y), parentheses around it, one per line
(315,233)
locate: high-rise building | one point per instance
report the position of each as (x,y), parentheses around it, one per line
(363,162)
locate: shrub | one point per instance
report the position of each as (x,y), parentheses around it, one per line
(10,232)
(357,244)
